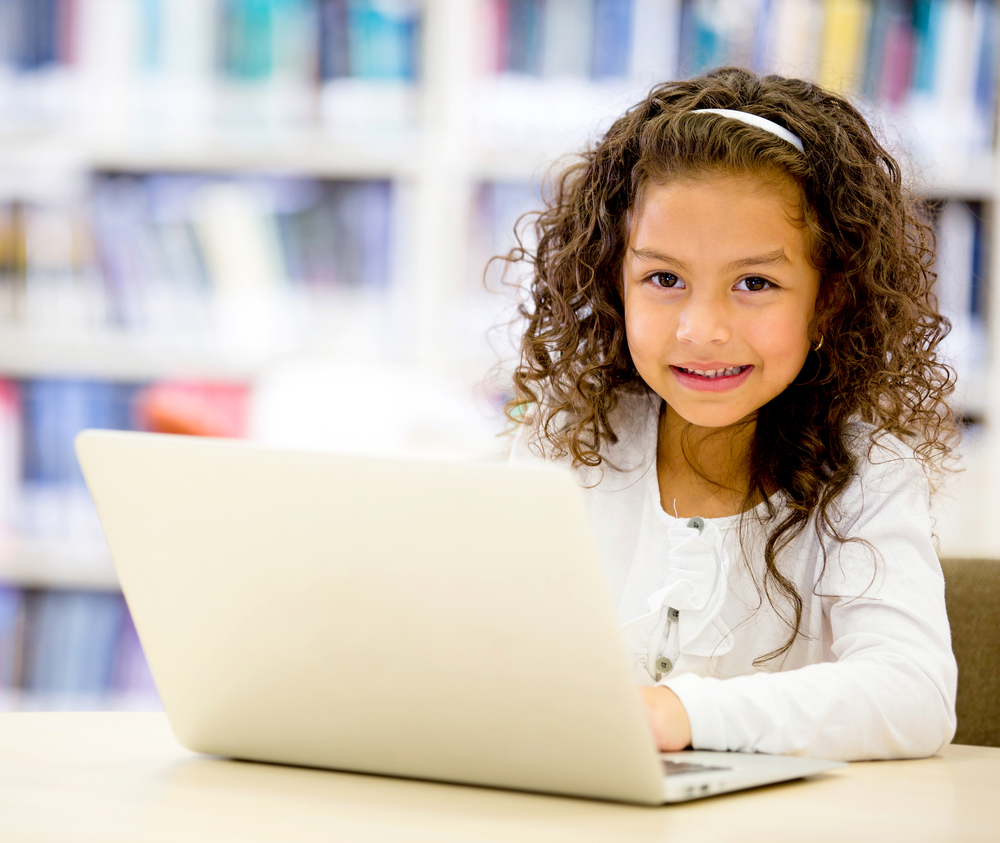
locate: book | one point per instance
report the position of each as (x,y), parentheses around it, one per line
(155,69)
(500,206)
(523,36)
(612,45)
(194,408)
(845,35)
(67,649)
(383,38)
(702,38)
(51,499)
(334,39)
(181,255)
(10,456)
(70,645)
(795,43)
(961,240)
(131,677)
(891,50)
(11,636)
(927,25)
(655,41)
(567,35)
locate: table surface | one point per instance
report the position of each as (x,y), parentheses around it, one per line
(122,777)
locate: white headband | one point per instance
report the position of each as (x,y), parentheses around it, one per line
(754,120)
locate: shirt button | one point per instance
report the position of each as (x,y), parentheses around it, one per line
(697,523)
(664,665)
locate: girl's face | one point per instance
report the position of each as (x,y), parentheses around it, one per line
(719,294)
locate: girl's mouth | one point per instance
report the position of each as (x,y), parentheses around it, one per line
(713,373)
(712,380)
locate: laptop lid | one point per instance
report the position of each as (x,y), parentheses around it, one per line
(412,618)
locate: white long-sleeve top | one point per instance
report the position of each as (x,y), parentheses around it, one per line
(871,675)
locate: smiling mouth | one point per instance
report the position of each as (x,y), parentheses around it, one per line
(710,374)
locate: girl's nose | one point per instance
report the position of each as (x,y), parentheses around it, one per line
(703,321)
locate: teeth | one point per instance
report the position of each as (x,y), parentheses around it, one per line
(714,373)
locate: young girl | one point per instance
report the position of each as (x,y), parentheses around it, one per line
(732,338)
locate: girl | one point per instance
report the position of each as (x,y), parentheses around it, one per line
(732,338)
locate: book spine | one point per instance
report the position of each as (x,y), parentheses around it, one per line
(612,38)
(524,37)
(69,650)
(187,64)
(247,39)
(11,438)
(959,266)
(11,636)
(334,40)
(159,253)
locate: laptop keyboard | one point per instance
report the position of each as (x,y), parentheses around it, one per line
(674,768)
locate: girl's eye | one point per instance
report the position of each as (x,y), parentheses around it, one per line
(666,279)
(754,284)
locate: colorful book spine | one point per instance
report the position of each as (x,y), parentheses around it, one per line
(11,637)
(845,35)
(247,38)
(655,40)
(67,649)
(334,39)
(895,53)
(524,37)
(10,457)
(987,26)
(158,253)
(138,57)
(612,39)
(962,241)
(927,23)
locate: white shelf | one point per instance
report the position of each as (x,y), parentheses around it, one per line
(27,164)
(312,154)
(83,564)
(971,178)
(241,336)
(118,356)
(21,700)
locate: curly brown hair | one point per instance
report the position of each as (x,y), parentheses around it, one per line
(876,308)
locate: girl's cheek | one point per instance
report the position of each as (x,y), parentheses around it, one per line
(641,336)
(643,322)
(782,330)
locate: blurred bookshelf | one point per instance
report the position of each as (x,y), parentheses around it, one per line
(193,191)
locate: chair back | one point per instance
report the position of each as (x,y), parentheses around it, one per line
(972,593)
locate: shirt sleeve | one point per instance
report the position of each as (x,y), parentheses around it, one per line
(890,692)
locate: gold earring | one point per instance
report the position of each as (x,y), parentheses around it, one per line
(819,345)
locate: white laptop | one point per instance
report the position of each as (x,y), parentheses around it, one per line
(444,621)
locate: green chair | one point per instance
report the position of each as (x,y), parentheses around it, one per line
(972,592)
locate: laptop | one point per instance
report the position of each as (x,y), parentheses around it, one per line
(428,619)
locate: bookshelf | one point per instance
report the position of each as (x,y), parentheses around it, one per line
(455,118)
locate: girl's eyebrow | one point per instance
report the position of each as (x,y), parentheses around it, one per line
(766,259)
(653,255)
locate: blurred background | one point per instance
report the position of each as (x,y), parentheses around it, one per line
(272,219)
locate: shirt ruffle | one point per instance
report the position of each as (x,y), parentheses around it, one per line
(696,586)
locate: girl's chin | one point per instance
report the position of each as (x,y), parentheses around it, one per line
(698,417)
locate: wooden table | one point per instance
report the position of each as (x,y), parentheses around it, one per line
(121,777)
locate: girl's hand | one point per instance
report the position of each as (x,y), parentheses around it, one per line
(667,718)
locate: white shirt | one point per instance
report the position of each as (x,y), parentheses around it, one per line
(871,675)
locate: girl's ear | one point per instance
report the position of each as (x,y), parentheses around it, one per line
(817,328)
(825,305)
